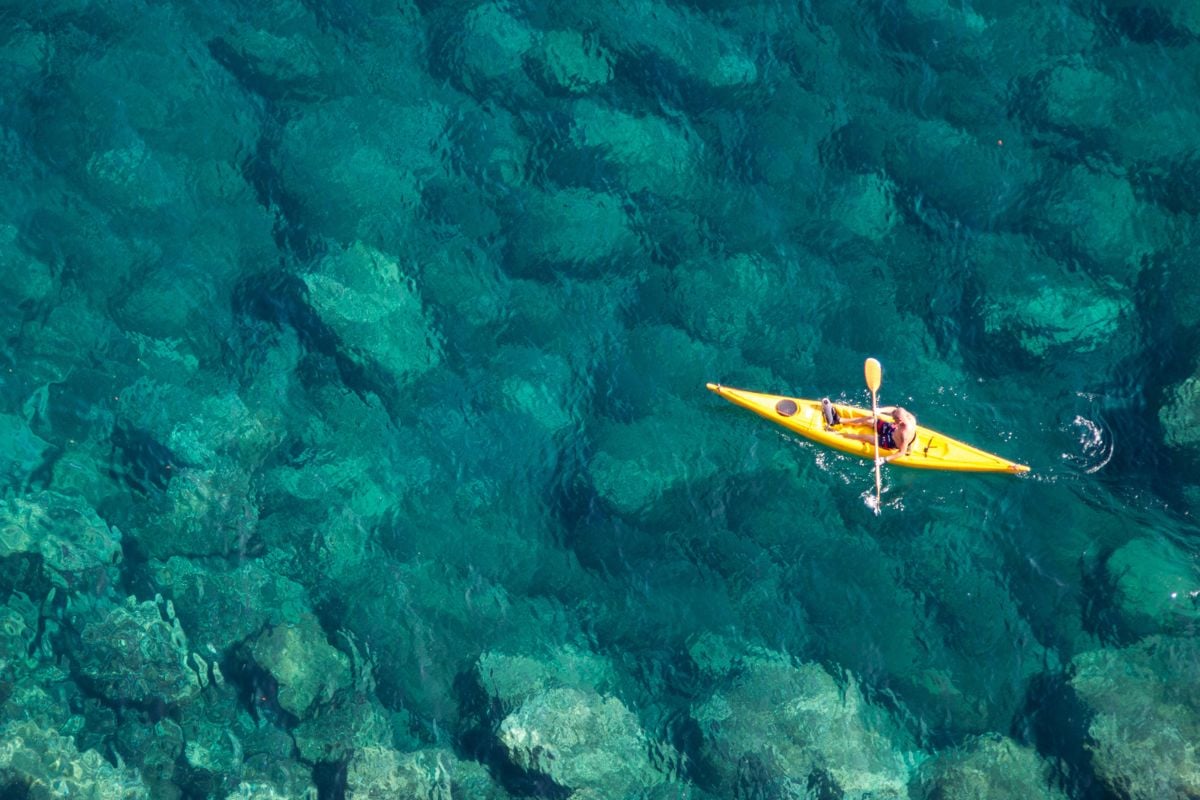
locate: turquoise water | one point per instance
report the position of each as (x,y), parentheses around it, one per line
(355,435)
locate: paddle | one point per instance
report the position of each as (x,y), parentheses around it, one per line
(874,374)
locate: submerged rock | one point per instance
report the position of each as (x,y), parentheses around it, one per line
(729,300)
(511,679)
(784,727)
(579,323)
(466,283)
(959,173)
(638,464)
(1043,306)
(41,763)
(965,614)
(685,41)
(1024,43)
(163,86)
(375,309)
(424,618)
(213,753)
(991,767)
(305,666)
(333,731)
(1080,319)
(271,759)
(70,538)
(1097,213)
(582,741)
(19,619)
(24,279)
(790,130)
(492,45)
(1145,701)
(1180,415)
(1103,99)
(381,773)
(650,152)
(574,62)
(133,178)
(1158,585)
(203,512)
(224,607)
(356,166)
(133,654)
(154,750)
(261,790)
(191,453)
(943,34)
(680,364)
(540,385)
(866,206)
(576,230)
(1080,95)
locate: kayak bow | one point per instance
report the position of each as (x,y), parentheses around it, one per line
(931,450)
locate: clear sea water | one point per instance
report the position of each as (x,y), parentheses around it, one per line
(359,348)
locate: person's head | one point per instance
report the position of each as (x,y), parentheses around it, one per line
(904,417)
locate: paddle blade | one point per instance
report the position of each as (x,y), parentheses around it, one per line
(874,373)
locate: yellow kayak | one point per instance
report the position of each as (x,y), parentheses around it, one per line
(931,450)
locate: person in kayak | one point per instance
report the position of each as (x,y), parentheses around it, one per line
(898,435)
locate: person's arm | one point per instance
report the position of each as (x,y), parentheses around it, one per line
(905,447)
(859,420)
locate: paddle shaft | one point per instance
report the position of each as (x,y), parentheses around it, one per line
(875,430)
(874,375)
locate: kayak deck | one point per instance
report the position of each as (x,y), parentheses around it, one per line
(931,450)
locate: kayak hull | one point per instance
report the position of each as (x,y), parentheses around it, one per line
(931,450)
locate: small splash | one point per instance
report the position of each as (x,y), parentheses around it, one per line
(1095,445)
(878,504)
